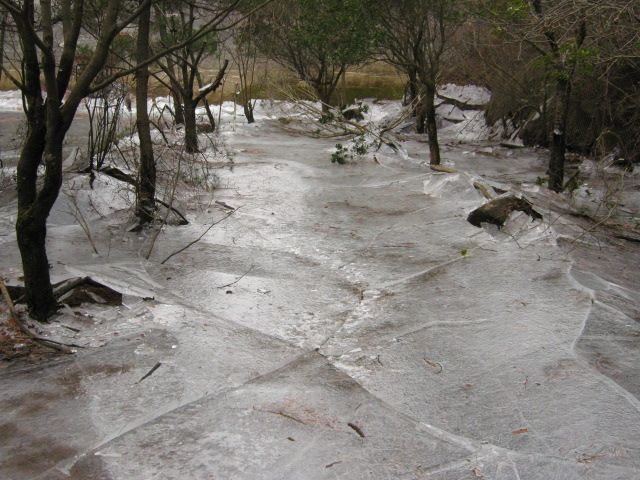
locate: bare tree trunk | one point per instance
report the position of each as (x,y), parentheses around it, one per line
(31,225)
(420,116)
(3,28)
(178,111)
(411,90)
(558,136)
(248,111)
(326,101)
(146,188)
(432,128)
(190,127)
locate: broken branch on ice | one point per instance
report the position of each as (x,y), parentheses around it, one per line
(150,372)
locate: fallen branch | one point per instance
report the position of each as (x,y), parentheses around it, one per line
(15,320)
(183,220)
(461,105)
(199,238)
(68,285)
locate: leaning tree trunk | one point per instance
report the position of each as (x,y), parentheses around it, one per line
(432,128)
(146,188)
(190,126)
(558,136)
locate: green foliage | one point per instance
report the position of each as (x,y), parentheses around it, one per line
(517,9)
(316,39)
(341,155)
(336,30)
(358,148)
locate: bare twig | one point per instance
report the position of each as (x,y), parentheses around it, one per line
(238,279)
(82,221)
(199,238)
(169,207)
(435,365)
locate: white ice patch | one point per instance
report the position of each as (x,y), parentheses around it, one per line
(471,94)
(456,186)
(11,101)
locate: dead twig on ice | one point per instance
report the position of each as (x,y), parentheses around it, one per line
(199,238)
(356,429)
(436,365)
(239,278)
(150,372)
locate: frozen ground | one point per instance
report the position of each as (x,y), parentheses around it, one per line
(345,322)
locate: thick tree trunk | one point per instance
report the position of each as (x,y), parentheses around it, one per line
(432,128)
(31,224)
(31,230)
(190,127)
(146,191)
(558,136)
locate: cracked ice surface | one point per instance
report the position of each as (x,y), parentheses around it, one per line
(375,334)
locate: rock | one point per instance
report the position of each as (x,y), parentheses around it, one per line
(497,211)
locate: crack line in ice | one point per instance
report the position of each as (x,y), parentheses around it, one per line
(616,387)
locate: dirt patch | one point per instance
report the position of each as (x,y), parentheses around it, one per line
(44,452)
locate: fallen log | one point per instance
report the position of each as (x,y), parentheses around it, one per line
(497,211)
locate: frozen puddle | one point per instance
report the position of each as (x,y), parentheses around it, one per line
(348,322)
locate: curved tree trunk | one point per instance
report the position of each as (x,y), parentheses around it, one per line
(432,128)
(146,191)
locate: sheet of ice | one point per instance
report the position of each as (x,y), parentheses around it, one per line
(10,101)
(341,323)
